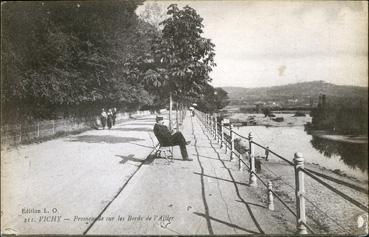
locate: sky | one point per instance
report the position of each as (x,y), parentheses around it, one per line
(268,43)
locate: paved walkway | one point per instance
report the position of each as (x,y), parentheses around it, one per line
(107,183)
(78,175)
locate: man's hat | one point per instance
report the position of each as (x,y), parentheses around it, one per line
(158,118)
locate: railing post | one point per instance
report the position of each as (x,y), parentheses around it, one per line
(211,125)
(216,128)
(270,196)
(232,140)
(242,156)
(226,145)
(20,133)
(253,181)
(208,123)
(221,133)
(240,163)
(53,126)
(38,129)
(300,191)
(362,222)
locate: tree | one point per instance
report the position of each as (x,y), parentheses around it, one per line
(221,98)
(181,59)
(267,112)
(213,99)
(71,54)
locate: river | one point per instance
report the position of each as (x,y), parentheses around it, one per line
(352,159)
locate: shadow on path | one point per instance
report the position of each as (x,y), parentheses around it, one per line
(144,119)
(137,124)
(226,223)
(226,180)
(201,146)
(103,139)
(207,157)
(206,207)
(120,190)
(252,204)
(129,158)
(137,129)
(150,159)
(235,184)
(151,147)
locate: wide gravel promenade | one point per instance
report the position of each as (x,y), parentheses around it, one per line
(103,182)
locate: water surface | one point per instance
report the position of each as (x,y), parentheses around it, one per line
(350,158)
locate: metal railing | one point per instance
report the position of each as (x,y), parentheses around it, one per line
(224,134)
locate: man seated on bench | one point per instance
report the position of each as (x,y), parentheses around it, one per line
(166,138)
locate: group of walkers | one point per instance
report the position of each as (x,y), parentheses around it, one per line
(108,118)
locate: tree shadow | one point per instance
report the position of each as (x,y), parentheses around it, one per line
(136,124)
(202,146)
(146,119)
(226,223)
(142,119)
(129,158)
(136,129)
(206,215)
(151,147)
(247,205)
(150,159)
(226,180)
(104,139)
(207,157)
(253,204)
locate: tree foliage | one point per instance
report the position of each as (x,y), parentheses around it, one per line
(341,117)
(61,56)
(67,53)
(213,99)
(180,59)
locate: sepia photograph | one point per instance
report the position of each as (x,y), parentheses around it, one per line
(184,118)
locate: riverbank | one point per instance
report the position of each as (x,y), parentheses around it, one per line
(326,210)
(342,157)
(340,138)
(289,120)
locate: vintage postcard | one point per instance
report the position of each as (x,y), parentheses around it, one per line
(184,118)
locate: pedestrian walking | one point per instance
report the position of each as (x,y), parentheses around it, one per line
(110,118)
(192,110)
(103,118)
(114,115)
(266,153)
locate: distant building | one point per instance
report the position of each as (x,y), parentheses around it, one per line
(258,103)
(272,103)
(292,101)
